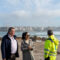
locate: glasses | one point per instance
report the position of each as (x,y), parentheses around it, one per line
(28,35)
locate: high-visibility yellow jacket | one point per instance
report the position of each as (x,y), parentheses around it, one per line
(50,47)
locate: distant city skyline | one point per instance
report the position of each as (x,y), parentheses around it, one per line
(30,29)
(42,13)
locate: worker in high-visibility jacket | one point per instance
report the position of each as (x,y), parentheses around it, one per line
(51,45)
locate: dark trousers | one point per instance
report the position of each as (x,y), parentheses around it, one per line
(12,57)
(47,58)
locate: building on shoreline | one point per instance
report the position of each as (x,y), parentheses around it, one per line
(28,28)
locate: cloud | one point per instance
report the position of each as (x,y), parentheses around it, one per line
(51,13)
(42,7)
(16,19)
(31,12)
(13,2)
(21,13)
(41,3)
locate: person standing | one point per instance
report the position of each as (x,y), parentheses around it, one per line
(51,45)
(27,47)
(9,45)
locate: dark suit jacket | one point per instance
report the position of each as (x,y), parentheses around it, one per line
(6,47)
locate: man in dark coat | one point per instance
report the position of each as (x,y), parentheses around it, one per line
(9,45)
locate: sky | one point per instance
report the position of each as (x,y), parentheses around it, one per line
(41,13)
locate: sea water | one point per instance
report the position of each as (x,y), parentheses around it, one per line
(38,34)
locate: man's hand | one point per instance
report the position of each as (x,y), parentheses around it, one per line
(4,59)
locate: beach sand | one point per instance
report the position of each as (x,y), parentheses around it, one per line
(38,50)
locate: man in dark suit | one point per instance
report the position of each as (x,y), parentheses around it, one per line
(9,45)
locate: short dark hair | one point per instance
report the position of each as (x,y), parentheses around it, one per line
(10,28)
(23,35)
(50,32)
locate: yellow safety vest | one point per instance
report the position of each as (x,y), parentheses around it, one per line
(50,47)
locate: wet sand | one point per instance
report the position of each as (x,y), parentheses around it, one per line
(38,51)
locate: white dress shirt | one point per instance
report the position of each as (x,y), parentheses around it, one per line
(13,45)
